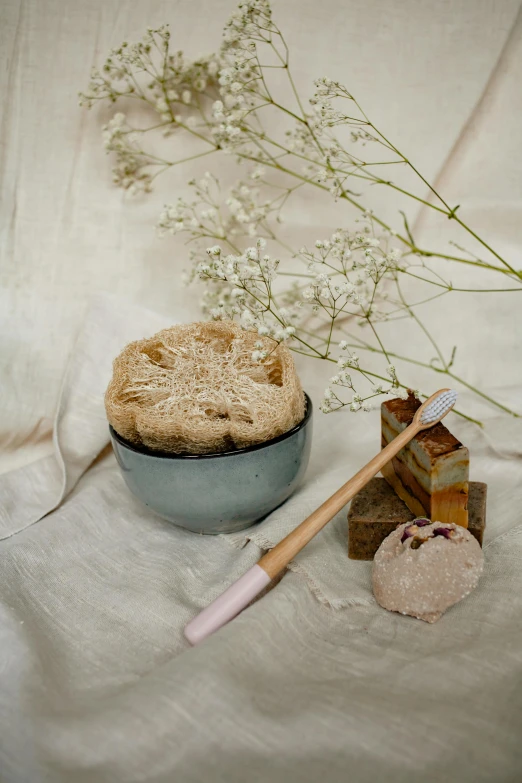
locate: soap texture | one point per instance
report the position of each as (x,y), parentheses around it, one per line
(431,473)
(376,511)
(423,569)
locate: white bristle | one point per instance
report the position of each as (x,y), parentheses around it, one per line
(439,407)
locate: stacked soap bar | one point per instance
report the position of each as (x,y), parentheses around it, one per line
(376,511)
(431,473)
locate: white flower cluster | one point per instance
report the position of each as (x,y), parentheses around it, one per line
(347,359)
(301,141)
(326,116)
(252,19)
(240,79)
(249,267)
(240,214)
(241,286)
(346,268)
(249,279)
(167,82)
(117,134)
(331,400)
(349,280)
(246,209)
(176,217)
(129,170)
(200,217)
(147,70)
(328,88)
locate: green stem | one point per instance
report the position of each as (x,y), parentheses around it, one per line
(412,246)
(361,345)
(420,324)
(485,244)
(449,287)
(451,213)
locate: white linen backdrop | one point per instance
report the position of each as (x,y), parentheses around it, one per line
(314,680)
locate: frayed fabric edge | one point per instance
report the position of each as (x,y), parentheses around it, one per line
(515,532)
(315,589)
(265,544)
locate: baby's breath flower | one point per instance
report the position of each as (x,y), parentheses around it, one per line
(258,172)
(247,319)
(352,360)
(402,393)
(352,274)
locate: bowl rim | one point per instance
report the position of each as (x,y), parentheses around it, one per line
(143,450)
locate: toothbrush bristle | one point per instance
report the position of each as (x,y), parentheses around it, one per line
(439,407)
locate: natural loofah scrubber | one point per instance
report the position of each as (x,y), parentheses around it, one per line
(195,389)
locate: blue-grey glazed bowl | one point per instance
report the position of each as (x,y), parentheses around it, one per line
(218,493)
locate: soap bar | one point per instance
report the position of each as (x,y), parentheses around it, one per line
(431,473)
(422,571)
(376,511)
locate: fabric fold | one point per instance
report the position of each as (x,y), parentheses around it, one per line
(80,427)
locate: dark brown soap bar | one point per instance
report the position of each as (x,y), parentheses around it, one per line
(376,511)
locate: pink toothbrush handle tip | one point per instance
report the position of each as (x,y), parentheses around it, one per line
(227,605)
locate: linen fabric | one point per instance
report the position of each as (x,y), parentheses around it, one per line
(314,681)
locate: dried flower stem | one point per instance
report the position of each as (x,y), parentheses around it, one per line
(352,280)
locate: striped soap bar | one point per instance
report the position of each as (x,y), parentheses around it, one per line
(431,473)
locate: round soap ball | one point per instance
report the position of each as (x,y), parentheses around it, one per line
(423,568)
(199,389)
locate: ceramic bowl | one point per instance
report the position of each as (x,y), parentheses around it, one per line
(218,493)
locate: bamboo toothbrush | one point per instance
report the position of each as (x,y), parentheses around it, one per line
(241,593)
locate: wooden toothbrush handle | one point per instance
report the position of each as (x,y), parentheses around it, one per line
(279,557)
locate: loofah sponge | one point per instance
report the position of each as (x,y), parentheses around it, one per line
(194,389)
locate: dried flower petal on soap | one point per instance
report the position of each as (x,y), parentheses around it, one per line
(445,532)
(425,584)
(409,531)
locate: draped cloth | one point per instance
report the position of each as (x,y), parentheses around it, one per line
(313,681)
